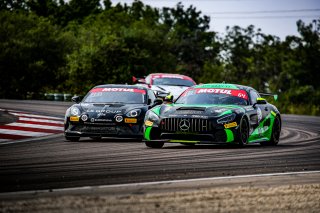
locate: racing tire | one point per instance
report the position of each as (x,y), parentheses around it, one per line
(243,132)
(275,135)
(72,139)
(153,144)
(188,144)
(96,138)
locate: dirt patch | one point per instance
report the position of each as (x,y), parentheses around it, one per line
(6,117)
(294,198)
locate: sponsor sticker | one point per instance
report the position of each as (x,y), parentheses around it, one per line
(232,92)
(74,118)
(112,89)
(230,125)
(148,123)
(130,120)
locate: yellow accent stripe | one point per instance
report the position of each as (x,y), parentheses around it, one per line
(273,113)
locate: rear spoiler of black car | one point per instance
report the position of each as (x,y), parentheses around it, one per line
(275,96)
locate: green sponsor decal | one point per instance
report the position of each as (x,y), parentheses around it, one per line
(263,132)
(157,110)
(223,86)
(226,112)
(147,133)
(230,136)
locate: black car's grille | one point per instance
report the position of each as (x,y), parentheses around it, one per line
(95,129)
(186,125)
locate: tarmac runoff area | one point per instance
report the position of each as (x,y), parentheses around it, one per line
(278,192)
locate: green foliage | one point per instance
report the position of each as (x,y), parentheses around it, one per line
(32,54)
(71,46)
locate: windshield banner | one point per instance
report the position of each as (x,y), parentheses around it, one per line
(118,90)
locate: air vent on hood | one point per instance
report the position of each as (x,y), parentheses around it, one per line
(192,108)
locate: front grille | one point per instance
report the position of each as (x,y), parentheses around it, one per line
(95,129)
(180,124)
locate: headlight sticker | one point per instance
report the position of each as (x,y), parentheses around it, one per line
(230,125)
(148,123)
(130,120)
(74,118)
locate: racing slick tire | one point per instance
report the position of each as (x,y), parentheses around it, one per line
(73,139)
(153,144)
(243,132)
(97,138)
(188,144)
(275,135)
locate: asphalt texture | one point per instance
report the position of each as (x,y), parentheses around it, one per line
(54,163)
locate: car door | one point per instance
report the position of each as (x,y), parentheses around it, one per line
(258,118)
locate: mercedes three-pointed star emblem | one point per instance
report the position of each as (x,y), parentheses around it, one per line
(184,125)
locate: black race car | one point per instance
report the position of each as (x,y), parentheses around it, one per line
(109,111)
(214,113)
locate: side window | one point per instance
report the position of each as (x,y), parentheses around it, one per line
(151,95)
(253,96)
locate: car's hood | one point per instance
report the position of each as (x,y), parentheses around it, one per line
(107,109)
(174,90)
(208,110)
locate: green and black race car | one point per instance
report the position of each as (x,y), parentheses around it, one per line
(213,114)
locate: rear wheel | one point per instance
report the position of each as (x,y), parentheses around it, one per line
(73,139)
(243,132)
(153,144)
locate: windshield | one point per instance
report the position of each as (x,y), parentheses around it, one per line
(172,81)
(213,96)
(116,95)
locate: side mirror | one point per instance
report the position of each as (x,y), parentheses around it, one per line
(157,101)
(260,101)
(161,94)
(168,98)
(76,99)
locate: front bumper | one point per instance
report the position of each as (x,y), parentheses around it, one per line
(87,130)
(215,136)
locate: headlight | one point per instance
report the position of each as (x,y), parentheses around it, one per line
(133,113)
(151,116)
(226,119)
(75,111)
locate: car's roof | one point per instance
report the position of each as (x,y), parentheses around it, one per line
(152,75)
(121,86)
(223,86)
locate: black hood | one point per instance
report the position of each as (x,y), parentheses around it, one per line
(108,110)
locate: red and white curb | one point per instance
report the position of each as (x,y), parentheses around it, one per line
(29,126)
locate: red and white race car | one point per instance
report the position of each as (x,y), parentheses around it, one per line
(166,83)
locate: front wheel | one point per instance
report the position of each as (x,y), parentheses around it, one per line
(243,132)
(275,136)
(96,138)
(153,144)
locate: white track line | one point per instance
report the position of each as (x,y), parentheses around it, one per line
(5,140)
(23,133)
(40,120)
(35,126)
(158,183)
(35,116)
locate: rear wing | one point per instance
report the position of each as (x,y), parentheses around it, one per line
(275,96)
(138,80)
